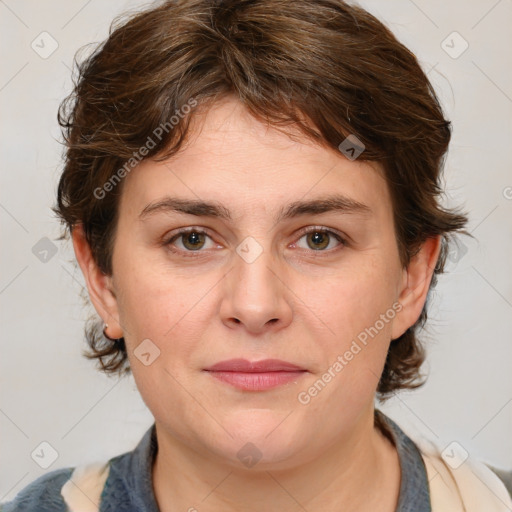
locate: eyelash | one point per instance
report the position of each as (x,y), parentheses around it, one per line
(302,233)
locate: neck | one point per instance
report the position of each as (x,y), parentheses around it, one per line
(357,474)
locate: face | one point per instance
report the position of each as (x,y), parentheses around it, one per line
(258,275)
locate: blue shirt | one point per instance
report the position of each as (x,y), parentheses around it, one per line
(129,484)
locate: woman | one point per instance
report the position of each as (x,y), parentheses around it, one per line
(252,190)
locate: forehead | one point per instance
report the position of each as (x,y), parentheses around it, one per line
(238,160)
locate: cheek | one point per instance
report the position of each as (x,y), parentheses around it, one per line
(171,316)
(353,299)
(172,311)
(152,301)
(357,309)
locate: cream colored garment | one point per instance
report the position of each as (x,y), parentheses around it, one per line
(82,492)
(472,487)
(468,487)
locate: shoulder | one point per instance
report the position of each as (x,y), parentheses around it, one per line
(62,489)
(504,475)
(456,479)
(125,477)
(42,495)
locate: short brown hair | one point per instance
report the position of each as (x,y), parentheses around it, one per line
(329,68)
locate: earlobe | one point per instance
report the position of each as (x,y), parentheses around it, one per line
(416,282)
(99,285)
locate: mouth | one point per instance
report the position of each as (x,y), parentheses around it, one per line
(256,376)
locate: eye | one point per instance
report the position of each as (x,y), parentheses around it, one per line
(191,240)
(194,239)
(319,239)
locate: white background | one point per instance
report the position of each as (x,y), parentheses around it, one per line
(49,392)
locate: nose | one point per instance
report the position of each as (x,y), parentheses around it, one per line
(255,295)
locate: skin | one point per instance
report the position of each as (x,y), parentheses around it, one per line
(301,300)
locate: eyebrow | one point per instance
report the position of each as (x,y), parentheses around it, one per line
(331,203)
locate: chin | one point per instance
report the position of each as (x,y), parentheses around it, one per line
(260,438)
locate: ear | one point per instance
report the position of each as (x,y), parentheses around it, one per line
(416,282)
(99,285)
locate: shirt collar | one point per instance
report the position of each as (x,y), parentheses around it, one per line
(414,489)
(129,484)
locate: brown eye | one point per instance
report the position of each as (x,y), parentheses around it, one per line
(190,240)
(318,240)
(193,240)
(321,239)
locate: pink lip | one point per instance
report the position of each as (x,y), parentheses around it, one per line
(257,376)
(265,365)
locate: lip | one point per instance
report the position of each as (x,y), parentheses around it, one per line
(263,366)
(257,375)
